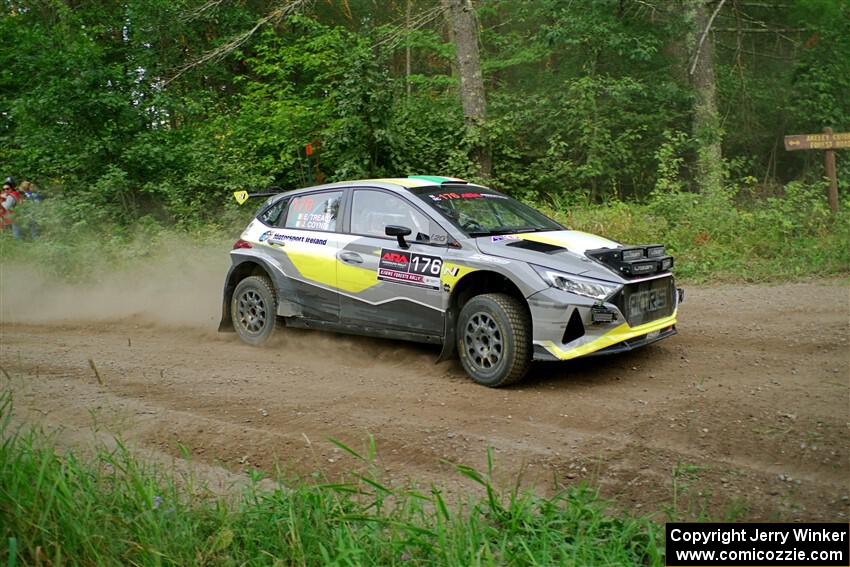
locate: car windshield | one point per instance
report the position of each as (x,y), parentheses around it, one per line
(482,212)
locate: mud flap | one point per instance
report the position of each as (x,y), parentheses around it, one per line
(226,324)
(449,348)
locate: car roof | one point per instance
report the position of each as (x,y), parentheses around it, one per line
(391,183)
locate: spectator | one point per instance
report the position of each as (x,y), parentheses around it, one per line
(28,212)
(10,198)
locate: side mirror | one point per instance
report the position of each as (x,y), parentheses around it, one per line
(399,232)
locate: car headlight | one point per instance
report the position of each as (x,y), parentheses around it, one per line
(586,287)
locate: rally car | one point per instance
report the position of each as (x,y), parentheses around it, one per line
(439,260)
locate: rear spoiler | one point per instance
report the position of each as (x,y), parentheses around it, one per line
(242,196)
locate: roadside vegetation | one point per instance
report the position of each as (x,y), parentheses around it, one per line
(632,120)
(642,121)
(112,509)
(728,236)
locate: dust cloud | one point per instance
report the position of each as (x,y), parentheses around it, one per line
(182,288)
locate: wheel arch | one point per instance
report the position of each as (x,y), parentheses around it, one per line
(475,283)
(237,273)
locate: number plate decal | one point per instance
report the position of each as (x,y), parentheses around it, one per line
(647,301)
(409,268)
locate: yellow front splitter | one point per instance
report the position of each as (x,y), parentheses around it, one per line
(616,335)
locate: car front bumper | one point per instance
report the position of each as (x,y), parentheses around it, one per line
(558,336)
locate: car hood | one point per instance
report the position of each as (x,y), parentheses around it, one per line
(561,250)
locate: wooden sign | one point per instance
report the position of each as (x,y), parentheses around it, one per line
(818,141)
(827,141)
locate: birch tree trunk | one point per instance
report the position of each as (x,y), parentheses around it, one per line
(461,19)
(706,121)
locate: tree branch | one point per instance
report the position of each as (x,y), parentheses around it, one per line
(704,34)
(238,40)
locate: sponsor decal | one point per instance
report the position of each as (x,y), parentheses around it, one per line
(439,238)
(641,268)
(408,268)
(489,259)
(394,260)
(451,271)
(501,237)
(282,238)
(451,196)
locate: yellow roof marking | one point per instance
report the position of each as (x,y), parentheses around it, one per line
(404,182)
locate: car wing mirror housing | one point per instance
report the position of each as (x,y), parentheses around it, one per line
(399,232)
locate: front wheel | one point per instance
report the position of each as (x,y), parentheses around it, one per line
(253,309)
(494,339)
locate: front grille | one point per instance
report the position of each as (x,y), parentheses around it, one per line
(647,301)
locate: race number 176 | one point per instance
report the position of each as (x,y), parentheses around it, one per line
(427,265)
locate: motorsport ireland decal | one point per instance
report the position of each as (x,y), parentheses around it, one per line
(270,237)
(409,268)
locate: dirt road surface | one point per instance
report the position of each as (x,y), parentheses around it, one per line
(744,413)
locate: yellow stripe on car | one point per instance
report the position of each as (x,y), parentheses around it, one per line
(452,273)
(328,271)
(354,279)
(617,335)
(573,240)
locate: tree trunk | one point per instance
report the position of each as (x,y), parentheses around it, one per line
(463,28)
(407,48)
(706,121)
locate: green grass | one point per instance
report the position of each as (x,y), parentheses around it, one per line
(112,509)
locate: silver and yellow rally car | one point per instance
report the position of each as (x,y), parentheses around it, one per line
(439,260)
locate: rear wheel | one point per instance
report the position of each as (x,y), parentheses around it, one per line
(494,336)
(253,309)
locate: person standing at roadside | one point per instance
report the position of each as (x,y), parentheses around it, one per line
(10,198)
(32,197)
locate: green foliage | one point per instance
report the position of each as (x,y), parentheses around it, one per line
(116,510)
(589,103)
(722,236)
(725,237)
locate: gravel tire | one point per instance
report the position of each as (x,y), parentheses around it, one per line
(253,309)
(494,339)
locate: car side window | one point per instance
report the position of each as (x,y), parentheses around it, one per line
(373,211)
(271,216)
(314,211)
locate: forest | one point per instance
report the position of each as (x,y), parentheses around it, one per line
(135,433)
(660,119)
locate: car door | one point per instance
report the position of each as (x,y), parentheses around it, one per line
(382,284)
(304,245)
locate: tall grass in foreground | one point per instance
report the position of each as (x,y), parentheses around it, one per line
(112,509)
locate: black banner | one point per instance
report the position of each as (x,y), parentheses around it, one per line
(762,544)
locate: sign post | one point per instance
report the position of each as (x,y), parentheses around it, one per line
(828,142)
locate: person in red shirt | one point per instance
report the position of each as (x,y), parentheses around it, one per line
(10,197)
